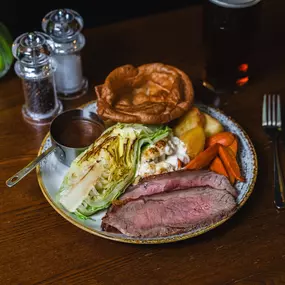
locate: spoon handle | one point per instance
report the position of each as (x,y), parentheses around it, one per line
(28,168)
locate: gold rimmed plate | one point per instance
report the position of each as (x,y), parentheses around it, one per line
(50,173)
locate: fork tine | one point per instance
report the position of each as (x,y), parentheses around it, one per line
(269,110)
(279,121)
(273,110)
(264,110)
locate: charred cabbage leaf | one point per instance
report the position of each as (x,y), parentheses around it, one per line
(101,173)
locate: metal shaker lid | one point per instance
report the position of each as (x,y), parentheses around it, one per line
(235,3)
(33,48)
(62,24)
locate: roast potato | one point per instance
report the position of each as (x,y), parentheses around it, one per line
(194,140)
(190,120)
(212,126)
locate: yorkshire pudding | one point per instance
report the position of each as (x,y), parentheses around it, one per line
(152,93)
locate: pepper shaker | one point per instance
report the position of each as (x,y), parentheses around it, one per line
(64,27)
(35,67)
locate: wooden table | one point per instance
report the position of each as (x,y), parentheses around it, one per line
(38,246)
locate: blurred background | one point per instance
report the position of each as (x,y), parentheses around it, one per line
(25,16)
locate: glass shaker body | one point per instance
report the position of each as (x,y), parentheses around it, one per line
(35,67)
(64,26)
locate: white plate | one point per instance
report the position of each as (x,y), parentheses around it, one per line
(50,173)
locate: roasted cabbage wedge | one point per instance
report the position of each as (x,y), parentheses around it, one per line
(101,173)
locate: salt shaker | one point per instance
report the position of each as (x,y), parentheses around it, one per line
(35,67)
(64,27)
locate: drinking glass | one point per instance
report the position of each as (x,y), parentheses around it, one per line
(229,32)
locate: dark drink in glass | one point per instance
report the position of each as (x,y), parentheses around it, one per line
(230,27)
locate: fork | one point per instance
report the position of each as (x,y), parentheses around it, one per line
(272,124)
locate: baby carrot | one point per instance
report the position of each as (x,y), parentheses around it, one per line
(204,158)
(234,147)
(223,138)
(230,162)
(218,167)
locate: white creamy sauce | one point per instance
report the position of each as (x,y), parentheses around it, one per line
(162,157)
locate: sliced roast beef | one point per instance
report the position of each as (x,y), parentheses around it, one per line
(169,213)
(178,180)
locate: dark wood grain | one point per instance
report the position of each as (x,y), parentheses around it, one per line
(38,246)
